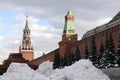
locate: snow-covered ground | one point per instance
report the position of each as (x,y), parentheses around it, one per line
(81,70)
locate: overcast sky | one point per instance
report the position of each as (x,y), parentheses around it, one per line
(46,21)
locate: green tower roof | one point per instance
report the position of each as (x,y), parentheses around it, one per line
(69,27)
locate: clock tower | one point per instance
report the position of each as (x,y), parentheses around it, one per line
(69,36)
(69,32)
(26,49)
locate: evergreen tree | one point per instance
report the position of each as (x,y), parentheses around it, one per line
(100,52)
(93,51)
(108,58)
(56,62)
(106,42)
(61,62)
(99,55)
(101,48)
(111,44)
(70,59)
(65,61)
(77,54)
(86,52)
(118,53)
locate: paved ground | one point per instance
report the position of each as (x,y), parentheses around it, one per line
(113,73)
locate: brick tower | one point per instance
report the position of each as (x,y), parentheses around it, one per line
(69,37)
(26,49)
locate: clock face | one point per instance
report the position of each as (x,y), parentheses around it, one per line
(27,41)
(71,27)
(71,31)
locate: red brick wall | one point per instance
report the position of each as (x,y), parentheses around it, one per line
(39,60)
(66,47)
(69,46)
(28,55)
(100,37)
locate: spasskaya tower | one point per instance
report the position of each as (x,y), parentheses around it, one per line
(26,49)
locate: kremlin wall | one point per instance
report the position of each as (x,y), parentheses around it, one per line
(68,43)
(70,39)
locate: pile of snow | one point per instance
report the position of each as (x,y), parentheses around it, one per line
(17,71)
(81,70)
(21,71)
(46,68)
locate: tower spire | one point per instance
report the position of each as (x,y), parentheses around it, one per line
(26,25)
(69,12)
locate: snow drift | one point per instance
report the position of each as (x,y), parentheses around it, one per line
(81,70)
